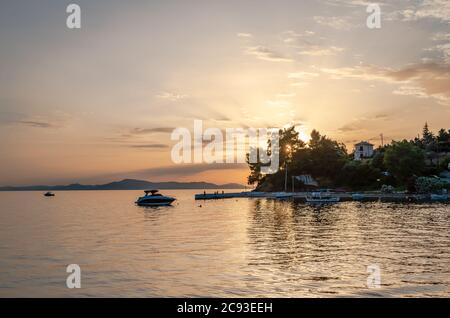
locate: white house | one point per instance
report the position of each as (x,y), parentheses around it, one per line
(363,150)
(306,179)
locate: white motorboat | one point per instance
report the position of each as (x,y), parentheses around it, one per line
(358,197)
(282,195)
(439,197)
(153,198)
(321,198)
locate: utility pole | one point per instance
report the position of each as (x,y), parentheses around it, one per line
(382,140)
(292,184)
(288,152)
(285,176)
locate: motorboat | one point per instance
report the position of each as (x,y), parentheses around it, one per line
(282,195)
(439,197)
(358,197)
(49,194)
(321,198)
(153,198)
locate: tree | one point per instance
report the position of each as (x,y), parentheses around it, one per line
(443,140)
(427,135)
(323,159)
(357,174)
(289,144)
(378,159)
(428,185)
(429,141)
(255,172)
(326,157)
(403,160)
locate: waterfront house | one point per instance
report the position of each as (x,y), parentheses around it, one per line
(307,180)
(363,150)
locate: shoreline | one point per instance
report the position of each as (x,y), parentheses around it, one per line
(343,196)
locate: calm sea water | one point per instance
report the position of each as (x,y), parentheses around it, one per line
(234,247)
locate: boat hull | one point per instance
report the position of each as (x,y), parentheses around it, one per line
(322,201)
(154,204)
(439,197)
(158,201)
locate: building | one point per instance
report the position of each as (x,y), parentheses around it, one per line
(363,150)
(307,180)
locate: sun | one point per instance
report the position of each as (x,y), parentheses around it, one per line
(304,136)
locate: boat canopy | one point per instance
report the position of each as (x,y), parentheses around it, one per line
(151,191)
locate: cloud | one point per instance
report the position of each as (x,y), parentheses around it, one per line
(293,37)
(338,23)
(55,119)
(37,124)
(300,78)
(302,75)
(307,43)
(143,131)
(362,123)
(316,50)
(9,117)
(433,78)
(411,91)
(365,72)
(188,169)
(441,36)
(266,54)
(244,35)
(286,95)
(349,127)
(171,96)
(150,146)
(353,3)
(277,103)
(435,9)
(430,79)
(443,50)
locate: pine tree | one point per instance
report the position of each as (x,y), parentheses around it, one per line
(428,139)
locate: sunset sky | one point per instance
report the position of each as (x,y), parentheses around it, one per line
(98,104)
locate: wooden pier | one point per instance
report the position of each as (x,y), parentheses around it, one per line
(343,196)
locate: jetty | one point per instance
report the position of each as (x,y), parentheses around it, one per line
(343,196)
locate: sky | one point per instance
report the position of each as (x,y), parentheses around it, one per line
(99,103)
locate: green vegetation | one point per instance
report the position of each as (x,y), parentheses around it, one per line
(427,185)
(403,160)
(398,165)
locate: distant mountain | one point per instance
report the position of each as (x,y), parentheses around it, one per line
(127,184)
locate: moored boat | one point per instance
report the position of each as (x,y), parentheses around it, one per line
(321,198)
(153,198)
(358,197)
(49,194)
(282,195)
(439,197)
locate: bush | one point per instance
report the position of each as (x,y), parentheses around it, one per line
(387,188)
(429,185)
(357,175)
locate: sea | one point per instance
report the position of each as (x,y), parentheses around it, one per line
(244,247)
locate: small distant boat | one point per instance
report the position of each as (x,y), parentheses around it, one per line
(153,198)
(439,197)
(358,197)
(49,194)
(283,195)
(321,198)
